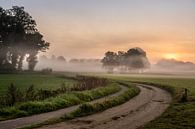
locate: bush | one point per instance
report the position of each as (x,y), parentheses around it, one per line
(46,71)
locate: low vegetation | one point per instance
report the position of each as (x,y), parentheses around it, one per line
(180,114)
(54,103)
(40,81)
(15,95)
(87,108)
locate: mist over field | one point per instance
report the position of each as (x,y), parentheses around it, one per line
(95,65)
(71,67)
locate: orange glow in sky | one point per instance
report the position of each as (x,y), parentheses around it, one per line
(171,56)
(89,28)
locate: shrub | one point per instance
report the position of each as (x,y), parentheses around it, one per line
(46,71)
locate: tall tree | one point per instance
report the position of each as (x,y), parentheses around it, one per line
(110,61)
(136,59)
(133,59)
(19,37)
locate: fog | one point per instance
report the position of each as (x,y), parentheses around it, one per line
(169,66)
(84,65)
(173,66)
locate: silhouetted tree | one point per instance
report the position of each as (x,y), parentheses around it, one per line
(121,58)
(61,58)
(18,37)
(110,61)
(136,59)
(133,59)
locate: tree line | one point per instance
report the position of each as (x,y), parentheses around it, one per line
(72,60)
(135,59)
(19,40)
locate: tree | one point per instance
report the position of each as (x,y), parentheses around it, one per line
(61,58)
(110,61)
(121,58)
(35,43)
(19,37)
(133,59)
(136,59)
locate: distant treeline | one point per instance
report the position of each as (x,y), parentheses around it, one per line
(173,64)
(73,60)
(134,59)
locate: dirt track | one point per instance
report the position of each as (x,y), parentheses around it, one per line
(149,104)
(21,122)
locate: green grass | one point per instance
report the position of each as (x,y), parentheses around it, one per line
(87,109)
(178,115)
(23,81)
(54,103)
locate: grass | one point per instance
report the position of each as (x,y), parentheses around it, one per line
(22,81)
(178,115)
(87,108)
(54,103)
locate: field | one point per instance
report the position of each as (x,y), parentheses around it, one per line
(49,94)
(39,81)
(180,115)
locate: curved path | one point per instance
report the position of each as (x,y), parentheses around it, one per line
(149,104)
(24,121)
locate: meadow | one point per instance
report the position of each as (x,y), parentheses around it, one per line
(180,115)
(40,81)
(76,90)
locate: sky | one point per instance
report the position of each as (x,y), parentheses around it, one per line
(89,28)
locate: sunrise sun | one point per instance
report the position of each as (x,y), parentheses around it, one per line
(171,56)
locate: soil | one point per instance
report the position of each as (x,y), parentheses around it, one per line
(148,105)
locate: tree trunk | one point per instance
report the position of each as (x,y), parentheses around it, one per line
(20,63)
(32,61)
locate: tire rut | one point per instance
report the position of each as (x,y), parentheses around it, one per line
(148,105)
(34,119)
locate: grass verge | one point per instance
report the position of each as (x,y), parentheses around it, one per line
(179,115)
(88,109)
(55,103)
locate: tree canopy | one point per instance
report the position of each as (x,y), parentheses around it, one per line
(19,38)
(133,59)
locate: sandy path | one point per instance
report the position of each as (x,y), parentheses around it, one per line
(24,121)
(149,104)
